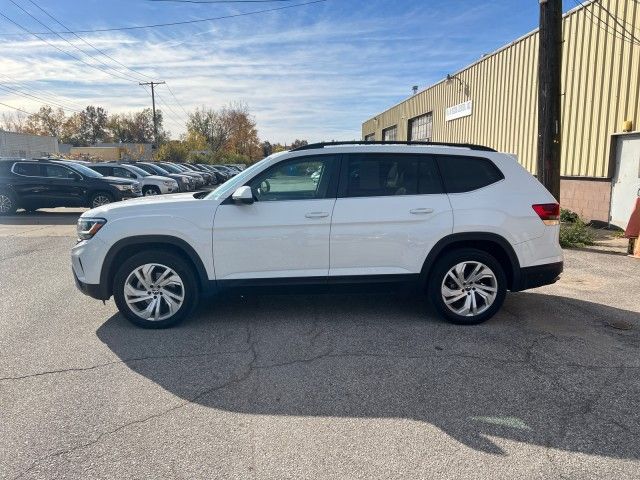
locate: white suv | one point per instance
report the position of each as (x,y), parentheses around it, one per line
(461,222)
(151,184)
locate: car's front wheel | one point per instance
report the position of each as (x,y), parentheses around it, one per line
(150,191)
(467,286)
(99,199)
(155,289)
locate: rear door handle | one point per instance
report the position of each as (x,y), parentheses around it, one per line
(317,215)
(421,211)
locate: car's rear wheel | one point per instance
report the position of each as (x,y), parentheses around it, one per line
(99,199)
(150,191)
(155,289)
(467,286)
(7,204)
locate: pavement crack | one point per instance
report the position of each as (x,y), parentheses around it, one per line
(116,362)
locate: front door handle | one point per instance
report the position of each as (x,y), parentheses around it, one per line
(317,215)
(421,211)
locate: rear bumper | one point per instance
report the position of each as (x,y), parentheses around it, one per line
(537,276)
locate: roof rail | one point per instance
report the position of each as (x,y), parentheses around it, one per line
(471,146)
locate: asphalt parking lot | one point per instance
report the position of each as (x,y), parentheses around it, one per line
(326,386)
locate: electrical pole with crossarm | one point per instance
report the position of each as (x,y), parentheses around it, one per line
(549,95)
(153,106)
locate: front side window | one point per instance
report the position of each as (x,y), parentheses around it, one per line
(304,178)
(106,171)
(421,127)
(464,174)
(57,171)
(390,134)
(27,169)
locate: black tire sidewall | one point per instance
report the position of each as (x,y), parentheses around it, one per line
(445,263)
(177,263)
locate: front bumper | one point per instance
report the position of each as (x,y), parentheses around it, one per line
(537,276)
(92,290)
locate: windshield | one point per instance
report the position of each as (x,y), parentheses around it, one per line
(154,169)
(86,171)
(138,170)
(232,184)
(171,168)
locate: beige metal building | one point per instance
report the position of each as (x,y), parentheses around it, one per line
(494,102)
(22,145)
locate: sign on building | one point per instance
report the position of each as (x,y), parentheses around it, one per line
(458,111)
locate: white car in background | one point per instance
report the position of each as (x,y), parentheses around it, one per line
(151,184)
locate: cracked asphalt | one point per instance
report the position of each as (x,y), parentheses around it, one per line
(324,386)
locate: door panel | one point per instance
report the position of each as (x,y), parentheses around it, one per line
(285,232)
(272,239)
(389,214)
(64,189)
(626,183)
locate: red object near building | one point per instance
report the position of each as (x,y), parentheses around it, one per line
(633,227)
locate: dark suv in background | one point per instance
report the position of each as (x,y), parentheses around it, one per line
(33,184)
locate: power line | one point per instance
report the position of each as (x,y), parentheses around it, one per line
(44,101)
(177,101)
(221,1)
(605,26)
(50,97)
(85,41)
(76,47)
(37,35)
(15,108)
(184,22)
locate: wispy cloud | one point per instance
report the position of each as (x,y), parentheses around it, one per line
(315,77)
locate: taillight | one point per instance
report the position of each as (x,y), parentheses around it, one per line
(549,213)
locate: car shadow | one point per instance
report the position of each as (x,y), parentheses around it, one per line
(544,371)
(43,217)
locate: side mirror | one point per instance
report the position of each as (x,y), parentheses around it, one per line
(243,195)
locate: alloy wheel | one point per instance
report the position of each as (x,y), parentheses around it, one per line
(6,204)
(469,288)
(154,292)
(150,192)
(100,200)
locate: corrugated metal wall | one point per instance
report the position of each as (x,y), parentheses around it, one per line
(601,85)
(26,146)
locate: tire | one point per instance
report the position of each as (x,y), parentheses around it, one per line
(8,203)
(150,191)
(183,291)
(100,198)
(488,292)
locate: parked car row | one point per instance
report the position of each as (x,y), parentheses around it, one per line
(49,182)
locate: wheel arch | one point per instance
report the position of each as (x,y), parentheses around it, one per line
(129,246)
(492,243)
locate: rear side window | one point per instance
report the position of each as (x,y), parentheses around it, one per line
(383,174)
(57,171)
(464,174)
(28,169)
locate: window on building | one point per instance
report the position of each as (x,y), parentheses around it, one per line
(421,127)
(370,137)
(464,174)
(390,134)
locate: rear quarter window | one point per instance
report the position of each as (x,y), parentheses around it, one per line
(465,174)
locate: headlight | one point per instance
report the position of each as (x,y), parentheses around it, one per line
(123,187)
(88,227)
(168,183)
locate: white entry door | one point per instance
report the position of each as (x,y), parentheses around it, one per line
(626,182)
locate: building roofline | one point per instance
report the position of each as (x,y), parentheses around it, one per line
(482,59)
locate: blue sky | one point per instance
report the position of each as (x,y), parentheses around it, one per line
(314,72)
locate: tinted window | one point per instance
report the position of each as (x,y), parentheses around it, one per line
(123,173)
(57,171)
(303,178)
(464,174)
(86,171)
(375,175)
(102,170)
(29,169)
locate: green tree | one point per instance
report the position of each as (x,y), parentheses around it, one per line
(92,125)
(211,126)
(172,151)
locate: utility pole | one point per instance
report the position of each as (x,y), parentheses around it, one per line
(153,106)
(549,95)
